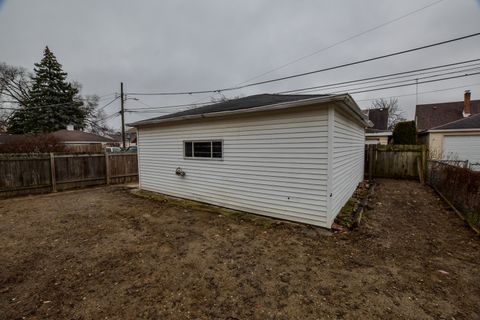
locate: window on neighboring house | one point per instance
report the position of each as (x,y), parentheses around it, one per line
(212,149)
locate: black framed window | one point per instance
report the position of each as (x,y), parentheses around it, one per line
(210,149)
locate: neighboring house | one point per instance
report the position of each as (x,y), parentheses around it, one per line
(378,136)
(79,141)
(379,133)
(72,140)
(6,138)
(451,130)
(294,157)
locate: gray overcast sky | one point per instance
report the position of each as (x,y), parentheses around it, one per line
(193,45)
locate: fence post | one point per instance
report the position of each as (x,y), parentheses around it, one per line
(52,172)
(107,168)
(424,162)
(371,161)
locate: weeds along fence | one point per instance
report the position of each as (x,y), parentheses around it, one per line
(22,174)
(459,186)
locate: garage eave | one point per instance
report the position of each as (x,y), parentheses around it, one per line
(453,130)
(346,99)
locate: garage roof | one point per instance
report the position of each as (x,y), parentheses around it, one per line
(472,122)
(253,103)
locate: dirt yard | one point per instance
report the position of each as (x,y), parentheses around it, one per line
(107,254)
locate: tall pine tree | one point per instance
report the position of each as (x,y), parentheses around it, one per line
(53,102)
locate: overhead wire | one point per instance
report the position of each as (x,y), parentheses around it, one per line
(109,103)
(431,45)
(416,72)
(42,106)
(360,90)
(411,73)
(420,93)
(391,83)
(341,42)
(415,83)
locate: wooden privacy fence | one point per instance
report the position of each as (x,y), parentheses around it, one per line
(28,174)
(396,161)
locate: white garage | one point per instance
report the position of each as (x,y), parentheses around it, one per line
(462,148)
(293,157)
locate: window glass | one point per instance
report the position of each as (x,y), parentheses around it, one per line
(188,149)
(203,149)
(217,149)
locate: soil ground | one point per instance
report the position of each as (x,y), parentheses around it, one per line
(107,254)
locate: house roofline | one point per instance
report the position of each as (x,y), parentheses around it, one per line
(85,142)
(379,134)
(452,130)
(345,98)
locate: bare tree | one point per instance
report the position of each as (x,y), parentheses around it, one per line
(4,116)
(14,85)
(96,119)
(395,114)
(222,98)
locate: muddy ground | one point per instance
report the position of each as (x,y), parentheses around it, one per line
(107,254)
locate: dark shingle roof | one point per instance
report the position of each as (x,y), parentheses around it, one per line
(61,135)
(437,114)
(379,117)
(10,138)
(258,100)
(472,122)
(78,136)
(372,130)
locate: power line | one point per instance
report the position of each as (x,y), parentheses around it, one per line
(364,60)
(107,95)
(377,88)
(114,115)
(415,71)
(309,72)
(412,84)
(54,105)
(470,68)
(148,111)
(420,93)
(173,106)
(103,107)
(394,82)
(378,78)
(44,106)
(341,42)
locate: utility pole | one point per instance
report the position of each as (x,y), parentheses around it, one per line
(122,113)
(416,92)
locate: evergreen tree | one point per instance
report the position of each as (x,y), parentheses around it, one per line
(53,102)
(405,133)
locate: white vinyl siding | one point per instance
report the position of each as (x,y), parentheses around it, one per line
(347,161)
(462,148)
(274,163)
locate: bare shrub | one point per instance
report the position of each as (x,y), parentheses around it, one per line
(460,186)
(42,143)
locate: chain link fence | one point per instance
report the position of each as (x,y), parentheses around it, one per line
(458,184)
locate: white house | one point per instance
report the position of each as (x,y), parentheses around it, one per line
(451,129)
(294,157)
